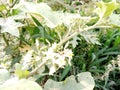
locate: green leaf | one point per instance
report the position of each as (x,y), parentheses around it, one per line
(97,70)
(117,41)
(33,30)
(9,50)
(40,27)
(99,61)
(11,1)
(101,51)
(43,32)
(112,53)
(65,72)
(85,82)
(19,72)
(36,21)
(105,9)
(16,60)
(23,84)
(2,7)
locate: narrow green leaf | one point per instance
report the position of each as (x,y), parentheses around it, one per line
(112,53)
(9,50)
(65,72)
(98,61)
(16,60)
(101,51)
(117,41)
(36,21)
(43,33)
(97,70)
(39,25)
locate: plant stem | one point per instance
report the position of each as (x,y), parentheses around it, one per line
(67,39)
(6,41)
(62,42)
(10,7)
(37,68)
(77,33)
(13,3)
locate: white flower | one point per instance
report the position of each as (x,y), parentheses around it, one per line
(60,61)
(52,70)
(68,53)
(118,61)
(27,59)
(57,58)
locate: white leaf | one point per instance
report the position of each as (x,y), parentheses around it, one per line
(9,25)
(23,84)
(90,37)
(4,75)
(52,18)
(30,7)
(115,19)
(85,82)
(74,41)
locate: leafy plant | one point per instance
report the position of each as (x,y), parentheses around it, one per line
(47,41)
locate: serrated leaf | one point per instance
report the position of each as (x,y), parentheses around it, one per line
(90,37)
(85,82)
(74,41)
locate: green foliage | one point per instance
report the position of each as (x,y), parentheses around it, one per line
(43,33)
(65,72)
(105,9)
(19,72)
(2,7)
(94,58)
(57,39)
